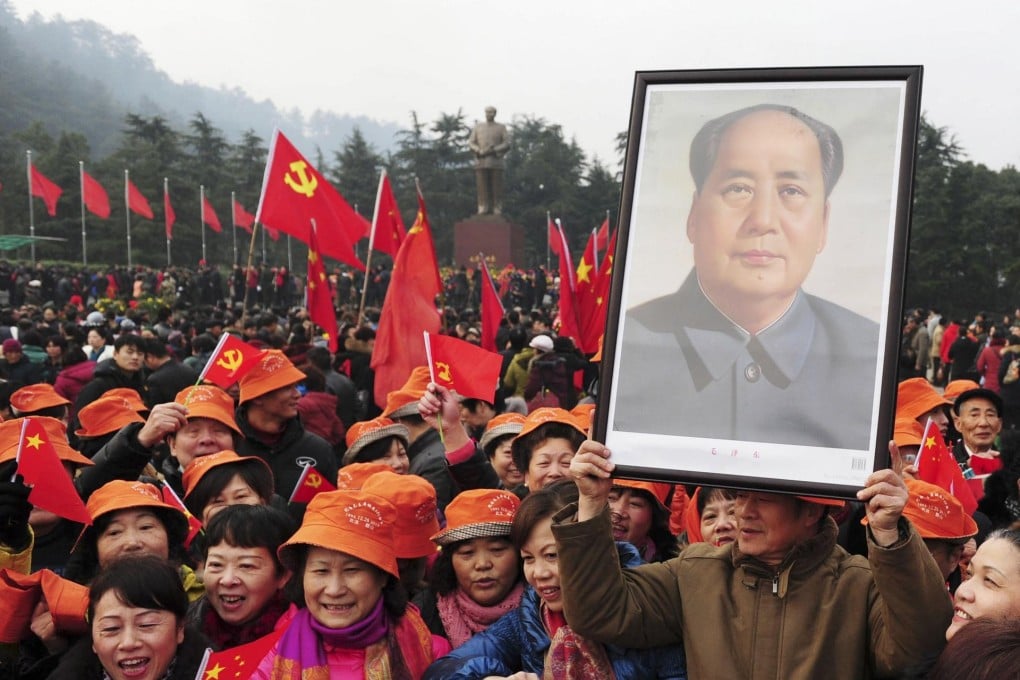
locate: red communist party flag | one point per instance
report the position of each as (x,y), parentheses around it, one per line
(388,231)
(320,294)
(936,465)
(409,309)
(52,488)
(209,215)
(242,217)
(43,188)
(168,213)
(137,203)
(309,484)
(492,309)
(231,359)
(459,366)
(94,196)
(294,193)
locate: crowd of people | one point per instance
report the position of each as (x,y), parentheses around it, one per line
(431,536)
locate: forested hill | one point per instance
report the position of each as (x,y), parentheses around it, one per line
(78,75)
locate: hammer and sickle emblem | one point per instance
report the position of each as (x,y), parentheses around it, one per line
(231,360)
(304,184)
(314,480)
(444,371)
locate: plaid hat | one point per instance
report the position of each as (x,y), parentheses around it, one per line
(915,397)
(272,371)
(366,432)
(56,432)
(32,398)
(107,414)
(356,523)
(404,402)
(11,345)
(957,387)
(907,432)
(657,490)
(936,513)
(414,499)
(209,401)
(201,465)
(478,513)
(500,426)
(124,495)
(354,475)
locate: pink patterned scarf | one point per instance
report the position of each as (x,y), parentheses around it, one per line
(462,617)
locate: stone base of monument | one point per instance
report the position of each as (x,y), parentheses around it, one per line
(501,241)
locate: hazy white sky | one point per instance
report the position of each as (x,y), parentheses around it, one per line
(570,62)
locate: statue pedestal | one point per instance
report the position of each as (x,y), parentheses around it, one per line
(501,241)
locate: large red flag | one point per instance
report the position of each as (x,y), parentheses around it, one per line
(243,218)
(52,488)
(388,231)
(586,296)
(568,305)
(554,237)
(94,196)
(492,308)
(209,215)
(43,188)
(320,294)
(168,213)
(593,327)
(294,193)
(470,371)
(408,310)
(602,237)
(936,465)
(137,203)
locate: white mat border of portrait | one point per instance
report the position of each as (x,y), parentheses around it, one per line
(869,116)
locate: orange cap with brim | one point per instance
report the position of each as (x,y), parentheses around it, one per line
(478,513)
(124,495)
(957,387)
(352,477)
(133,399)
(545,415)
(209,401)
(56,432)
(272,371)
(414,499)
(907,432)
(32,398)
(818,500)
(356,523)
(584,413)
(658,490)
(936,513)
(105,415)
(915,397)
(404,402)
(201,465)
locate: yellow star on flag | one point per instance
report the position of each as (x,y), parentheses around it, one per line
(582,271)
(35,441)
(312,256)
(214,672)
(929,443)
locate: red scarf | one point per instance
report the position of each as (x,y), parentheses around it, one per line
(462,617)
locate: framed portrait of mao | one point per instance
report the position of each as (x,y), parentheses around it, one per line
(753,327)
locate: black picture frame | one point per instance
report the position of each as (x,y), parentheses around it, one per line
(804,401)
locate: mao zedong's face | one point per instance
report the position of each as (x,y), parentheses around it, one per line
(760,217)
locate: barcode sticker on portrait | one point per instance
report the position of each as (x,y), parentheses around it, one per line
(857,464)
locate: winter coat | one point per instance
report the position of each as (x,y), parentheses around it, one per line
(70,382)
(821,613)
(318,415)
(518,641)
(516,378)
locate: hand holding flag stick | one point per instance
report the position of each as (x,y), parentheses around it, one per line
(437,405)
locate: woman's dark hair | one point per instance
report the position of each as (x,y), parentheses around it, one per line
(493,444)
(984,649)
(708,492)
(250,526)
(377,449)
(394,596)
(314,380)
(537,506)
(666,545)
(57,341)
(145,582)
(216,479)
(443,578)
(523,446)
(73,355)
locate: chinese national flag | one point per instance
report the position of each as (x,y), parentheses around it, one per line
(602,237)
(94,196)
(230,361)
(936,465)
(592,316)
(138,203)
(470,371)
(568,305)
(170,497)
(168,213)
(310,483)
(242,217)
(554,238)
(492,309)
(52,488)
(294,193)
(388,231)
(320,294)
(408,310)
(237,663)
(209,215)
(43,188)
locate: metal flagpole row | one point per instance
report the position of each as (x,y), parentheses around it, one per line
(127,216)
(31,213)
(81,183)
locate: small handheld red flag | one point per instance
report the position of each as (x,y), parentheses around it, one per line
(467,369)
(209,216)
(137,203)
(94,196)
(43,188)
(52,488)
(310,483)
(170,497)
(230,361)
(237,663)
(936,465)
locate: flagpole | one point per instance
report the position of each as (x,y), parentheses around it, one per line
(263,243)
(371,242)
(81,183)
(233,221)
(201,212)
(166,193)
(31,211)
(595,248)
(251,256)
(290,259)
(127,215)
(548,255)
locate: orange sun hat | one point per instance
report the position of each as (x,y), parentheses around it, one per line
(106,414)
(133,399)
(32,398)
(404,402)
(658,490)
(209,401)
(124,495)
(915,397)
(353,476)
(199,467)
(414,498)
(936,513)
(56,432)
(272,371)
